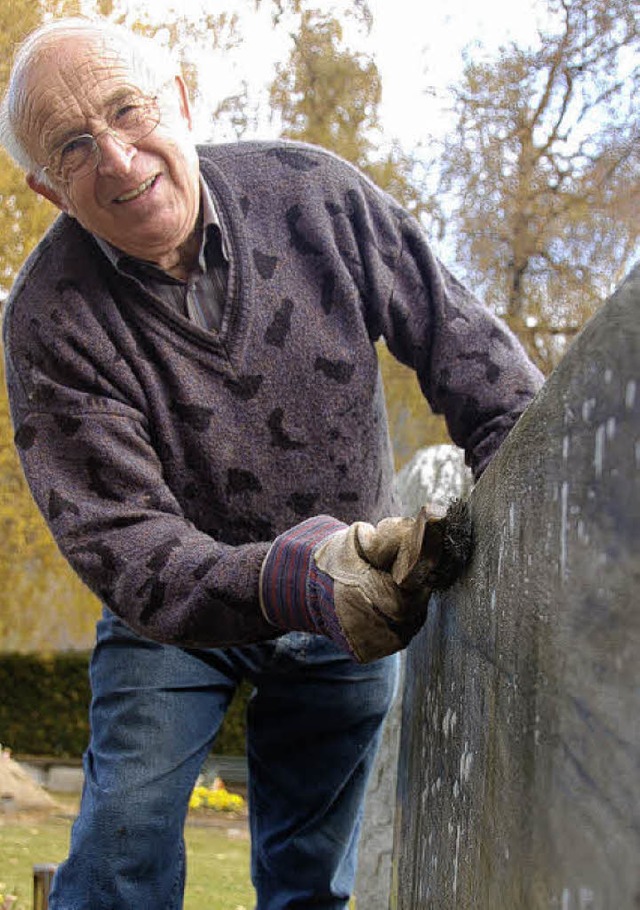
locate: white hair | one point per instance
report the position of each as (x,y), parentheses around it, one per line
(152,66)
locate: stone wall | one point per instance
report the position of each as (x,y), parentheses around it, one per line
(519,772)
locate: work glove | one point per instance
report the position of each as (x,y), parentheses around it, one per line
(366,587)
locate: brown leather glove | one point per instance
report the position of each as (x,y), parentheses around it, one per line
(376,616)
(365,587)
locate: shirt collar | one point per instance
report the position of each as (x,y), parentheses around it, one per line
(209,218)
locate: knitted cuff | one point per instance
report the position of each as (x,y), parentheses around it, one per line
(285,575)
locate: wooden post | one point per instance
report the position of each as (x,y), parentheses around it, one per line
(42,878)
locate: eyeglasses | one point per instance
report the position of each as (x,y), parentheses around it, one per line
(80,156)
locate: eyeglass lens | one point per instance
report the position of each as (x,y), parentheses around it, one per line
(80,156)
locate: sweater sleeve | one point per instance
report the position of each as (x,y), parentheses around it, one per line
(470,366)
(97,479)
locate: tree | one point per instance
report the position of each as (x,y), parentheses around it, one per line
(194,36)
(325,93)
(543,167)
(23,216)
(43,605)
(33,574)
(329,95)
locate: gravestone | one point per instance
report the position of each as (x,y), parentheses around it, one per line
(519,771)
(435,476)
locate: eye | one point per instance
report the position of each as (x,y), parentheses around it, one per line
(76,150)
(125,110)
(127,114)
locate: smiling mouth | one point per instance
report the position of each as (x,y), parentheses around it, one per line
(138,191)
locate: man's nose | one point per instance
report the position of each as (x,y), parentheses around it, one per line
(116,154)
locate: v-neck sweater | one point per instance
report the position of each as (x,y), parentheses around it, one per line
(166,458)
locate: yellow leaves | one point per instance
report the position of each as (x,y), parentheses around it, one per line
(412,424)
(325,93)
(538,172)
(23,215)
(43,605)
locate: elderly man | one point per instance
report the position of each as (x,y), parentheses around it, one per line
(199,413)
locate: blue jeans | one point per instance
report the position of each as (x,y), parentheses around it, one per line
(313,728)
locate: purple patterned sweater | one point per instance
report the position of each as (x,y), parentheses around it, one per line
(166,458)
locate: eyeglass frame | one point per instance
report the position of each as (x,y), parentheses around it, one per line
(95,152)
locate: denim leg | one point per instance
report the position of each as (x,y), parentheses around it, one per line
(314,726)
(154,713)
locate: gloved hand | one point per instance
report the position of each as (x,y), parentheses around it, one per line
(365,587)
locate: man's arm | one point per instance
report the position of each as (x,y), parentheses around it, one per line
(470,366)
(99,485)
(98,480)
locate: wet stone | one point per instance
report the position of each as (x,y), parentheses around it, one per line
(519,768)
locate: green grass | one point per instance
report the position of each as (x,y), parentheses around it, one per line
(217,871)
(217,862)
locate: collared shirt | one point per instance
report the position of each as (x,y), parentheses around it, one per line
(201,297)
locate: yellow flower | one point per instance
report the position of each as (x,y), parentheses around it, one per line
(216,798)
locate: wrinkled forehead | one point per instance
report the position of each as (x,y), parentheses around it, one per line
(72,82)
(79,71)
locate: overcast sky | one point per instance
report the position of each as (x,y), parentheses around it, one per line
(416,44)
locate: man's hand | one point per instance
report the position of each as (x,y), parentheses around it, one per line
(365,587)
(376,616)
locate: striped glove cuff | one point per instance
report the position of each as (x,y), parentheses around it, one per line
(292,597)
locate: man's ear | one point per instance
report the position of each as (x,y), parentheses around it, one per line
(43,189)
(183,98)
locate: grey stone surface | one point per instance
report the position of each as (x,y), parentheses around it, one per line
(65,780)
(435,475)
(55,774)
(519,776)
